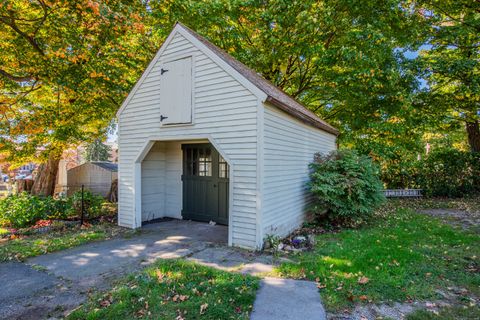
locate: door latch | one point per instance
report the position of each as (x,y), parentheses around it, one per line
(162,71)
(162,117)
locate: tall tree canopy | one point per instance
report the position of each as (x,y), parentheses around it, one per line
(340,58)
(66,66)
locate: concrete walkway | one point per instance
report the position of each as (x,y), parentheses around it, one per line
(52,285)
(287,299)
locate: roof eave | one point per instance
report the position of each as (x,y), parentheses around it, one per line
(313,122)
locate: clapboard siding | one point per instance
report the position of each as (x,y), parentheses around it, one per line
(153,171)
(223,109)
(289,147)
(173,192)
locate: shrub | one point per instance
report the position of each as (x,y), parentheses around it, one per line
(450,173)
(403,174)
(346,187)
(92,204)
(24,210)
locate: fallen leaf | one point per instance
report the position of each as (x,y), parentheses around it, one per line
(105,303)
(363,280)
(203,308)
(363,297)
(160,275)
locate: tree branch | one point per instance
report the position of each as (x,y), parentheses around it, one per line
(11,23)
(16,78)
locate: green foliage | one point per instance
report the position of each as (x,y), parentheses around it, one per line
(450,64)
(405,256)
(450,173)
(24,210)
(4,232)
(403,174)
(345,60)
(97,151)
(92,204)
(339,58)
(174,289)
(272,241)
(346,186)
(443,172)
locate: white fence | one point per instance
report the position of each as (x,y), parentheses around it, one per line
(400,193)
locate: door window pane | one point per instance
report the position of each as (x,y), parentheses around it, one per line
(205,162)
(223,168)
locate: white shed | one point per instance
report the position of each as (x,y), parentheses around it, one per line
(203,137)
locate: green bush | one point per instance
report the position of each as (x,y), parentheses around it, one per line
(92,204)
(443,172)
(403,174)
(450,173)
(24,210)
(346,187)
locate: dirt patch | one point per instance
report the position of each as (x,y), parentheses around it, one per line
(460,218)
(452,297)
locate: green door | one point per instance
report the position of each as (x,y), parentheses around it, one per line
(205,184)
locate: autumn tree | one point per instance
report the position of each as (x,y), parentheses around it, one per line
(65,67)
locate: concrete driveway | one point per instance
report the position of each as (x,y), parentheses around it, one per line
(53,284)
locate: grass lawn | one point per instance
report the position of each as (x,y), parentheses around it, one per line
(405,257)
(29,246)
(175,289)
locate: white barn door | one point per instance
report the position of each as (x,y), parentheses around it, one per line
(176,91)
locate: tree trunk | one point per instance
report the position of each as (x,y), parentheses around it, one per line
(44,184)
(24,185)
(473,133)
(113,194)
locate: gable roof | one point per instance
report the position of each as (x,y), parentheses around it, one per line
(275,95)
(263,88)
